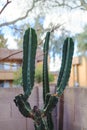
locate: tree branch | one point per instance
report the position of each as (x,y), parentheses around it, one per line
(10,56)
(83,4)
(21,18)
(8,2)
(51,30)
(57,3)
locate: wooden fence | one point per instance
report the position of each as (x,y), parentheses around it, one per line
(70,113)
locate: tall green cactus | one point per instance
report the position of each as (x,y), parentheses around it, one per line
(46,88)
(45,67)
(42,118)
(64,74)
(29,52)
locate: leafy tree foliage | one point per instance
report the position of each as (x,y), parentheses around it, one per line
(38,73)
(42,5)
(3,41)
(82,41)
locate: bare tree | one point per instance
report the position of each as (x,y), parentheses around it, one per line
(8,2)
(20,18)
(46,4)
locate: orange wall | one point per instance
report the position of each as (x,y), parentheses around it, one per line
(81,77)
(71,79)
(82,73)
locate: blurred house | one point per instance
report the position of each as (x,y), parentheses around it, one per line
(11,61)
(78,75)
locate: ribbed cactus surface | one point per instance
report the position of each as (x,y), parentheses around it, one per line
(68,49)
(42,117)
(45,67)
(46,88)
(29,53)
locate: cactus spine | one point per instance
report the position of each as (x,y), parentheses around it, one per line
(42,118)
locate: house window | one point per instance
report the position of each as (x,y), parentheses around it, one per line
(14,66)
(1,66)
(6,84)
(6,66)
(2,84)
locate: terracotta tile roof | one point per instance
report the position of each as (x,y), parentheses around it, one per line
(4,54)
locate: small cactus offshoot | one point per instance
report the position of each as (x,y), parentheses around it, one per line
(42,118)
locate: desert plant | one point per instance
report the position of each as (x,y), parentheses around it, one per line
(42,118)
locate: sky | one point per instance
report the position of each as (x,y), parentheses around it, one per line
(73,21)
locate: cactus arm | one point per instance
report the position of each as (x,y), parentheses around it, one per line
(64,74)
(23,106)
(28,72)
(46,90)
(50,121)
(48,95)
(67,66)
(62,64)
(45,67)
(29,52)
(47,112)
(51,104)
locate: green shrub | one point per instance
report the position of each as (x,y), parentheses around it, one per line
(18,77)
(39,75)
(51,77)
